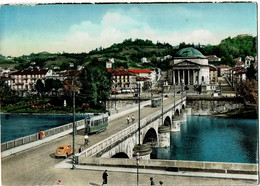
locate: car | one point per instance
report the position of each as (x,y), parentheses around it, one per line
(63,151)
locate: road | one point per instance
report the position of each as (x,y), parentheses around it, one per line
(36,166)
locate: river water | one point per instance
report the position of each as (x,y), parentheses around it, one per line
(14,126)
(213,139)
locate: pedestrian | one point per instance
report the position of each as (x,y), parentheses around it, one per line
(160,182)
(80,149)
(152,182)
(133,119)
(86,139)
(128,119)
(104,176)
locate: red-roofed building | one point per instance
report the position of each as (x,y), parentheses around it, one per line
(213,74)
(240,64)
(223,70)
(122,79)
(140,72)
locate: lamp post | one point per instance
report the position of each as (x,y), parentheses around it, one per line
(139,115)
(72,74)
(137,163)
(73,125)
(162,104)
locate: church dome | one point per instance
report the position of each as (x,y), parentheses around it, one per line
(189,53)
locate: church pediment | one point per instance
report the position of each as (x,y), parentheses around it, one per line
(186,64)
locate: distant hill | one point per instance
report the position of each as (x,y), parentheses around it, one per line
(128,54)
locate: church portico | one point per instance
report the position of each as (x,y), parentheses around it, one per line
(188,76)
(189,67)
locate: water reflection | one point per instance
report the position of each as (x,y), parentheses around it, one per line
(214,139)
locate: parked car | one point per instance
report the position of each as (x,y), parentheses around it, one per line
(63,151)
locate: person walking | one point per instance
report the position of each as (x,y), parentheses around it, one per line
(80,149)
(133,119)
(86,139)
(104,176)
(128,119)
(152,182)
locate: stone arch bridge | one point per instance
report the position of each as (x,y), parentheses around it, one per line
(154,130)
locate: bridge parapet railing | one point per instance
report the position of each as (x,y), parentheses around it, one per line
(34,137)
(110,141)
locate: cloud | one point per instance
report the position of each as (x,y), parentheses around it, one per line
(113,28)
(116,27)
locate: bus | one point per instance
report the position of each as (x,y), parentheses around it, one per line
(96,123)
(156,102)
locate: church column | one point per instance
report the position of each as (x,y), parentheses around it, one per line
(173,77)
(188,77)
(183,76)
(179,77)
(199,77)
(194,76)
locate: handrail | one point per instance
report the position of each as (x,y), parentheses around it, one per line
(34,137)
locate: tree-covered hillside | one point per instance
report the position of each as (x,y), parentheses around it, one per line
(231,48)
(128,54)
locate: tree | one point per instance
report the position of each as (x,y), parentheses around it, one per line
(96,83)
(52,84)
(39,87)
(251,73)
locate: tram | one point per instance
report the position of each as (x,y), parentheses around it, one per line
(156,102)
(96,123)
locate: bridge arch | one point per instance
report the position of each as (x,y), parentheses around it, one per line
(150,137)
(177,112)
(167,121)
(120,155)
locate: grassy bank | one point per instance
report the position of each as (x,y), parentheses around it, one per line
(246,113)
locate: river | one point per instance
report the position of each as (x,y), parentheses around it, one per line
(14,126)
(213,139)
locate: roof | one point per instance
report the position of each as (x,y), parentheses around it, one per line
(139,71)
(241,63)
(213,68)
(120,72)
(189,52)
(31,72)
(223,66)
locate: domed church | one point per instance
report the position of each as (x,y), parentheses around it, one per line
(189,67)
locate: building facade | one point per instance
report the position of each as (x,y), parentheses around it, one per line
(189,67)
(25,80)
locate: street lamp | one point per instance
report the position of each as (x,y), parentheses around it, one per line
(137,163)
(139,115)
(73,125)
(72,74)
(162,104)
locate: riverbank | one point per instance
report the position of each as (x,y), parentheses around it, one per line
(246,113)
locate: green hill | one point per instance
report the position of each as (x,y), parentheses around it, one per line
(128,54)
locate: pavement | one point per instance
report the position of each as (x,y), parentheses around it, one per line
(38,166)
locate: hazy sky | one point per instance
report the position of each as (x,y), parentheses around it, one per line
(81,28)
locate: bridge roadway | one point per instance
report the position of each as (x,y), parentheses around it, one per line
(36,166)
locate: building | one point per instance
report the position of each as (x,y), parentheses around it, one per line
(213,58)
(238,60)
(248,61)
(223,70)
(122,79)
(213,74)
(189,67)
(25,80)
(141,72)
(144,60)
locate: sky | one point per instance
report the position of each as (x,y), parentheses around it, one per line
(83,27)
